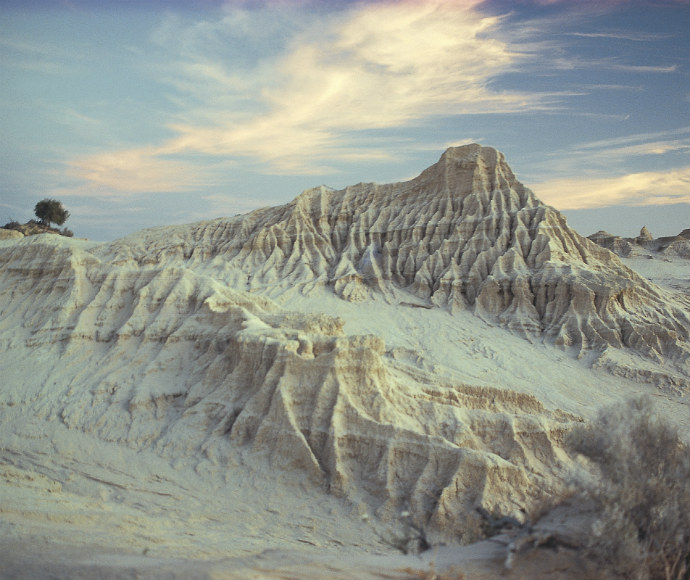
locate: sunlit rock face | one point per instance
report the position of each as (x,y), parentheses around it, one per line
(169,339)
(160,357)
(465,234)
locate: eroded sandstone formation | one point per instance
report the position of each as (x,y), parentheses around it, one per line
(678,246)
(168,339)
(170,360)
(465,234)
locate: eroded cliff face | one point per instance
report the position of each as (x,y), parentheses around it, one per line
(170,360)
(169,339)
(465,234)
(645,244)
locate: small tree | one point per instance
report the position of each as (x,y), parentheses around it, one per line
(51,211)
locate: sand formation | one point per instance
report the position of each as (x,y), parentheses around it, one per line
(463,234)
(172,339)
(666,246)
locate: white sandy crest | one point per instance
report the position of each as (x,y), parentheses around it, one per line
(215,504)
(236,394)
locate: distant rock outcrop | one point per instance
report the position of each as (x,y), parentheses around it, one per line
(622,247)
(644,236)
(671,246)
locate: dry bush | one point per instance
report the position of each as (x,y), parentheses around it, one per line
(642,492)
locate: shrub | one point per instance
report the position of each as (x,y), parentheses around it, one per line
(642,491)
(51,211)
(410,540)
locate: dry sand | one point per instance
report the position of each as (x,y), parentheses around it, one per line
(229,399)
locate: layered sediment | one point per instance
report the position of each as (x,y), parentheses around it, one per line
(169,339)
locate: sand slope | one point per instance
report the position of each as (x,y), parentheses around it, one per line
(418,347)
(463,234)
(164,359)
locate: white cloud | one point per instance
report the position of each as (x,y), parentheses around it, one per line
(669,141)
(614,156)
(368,67)
(627,35)
(638,189)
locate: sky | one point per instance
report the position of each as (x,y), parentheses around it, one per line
(145,113)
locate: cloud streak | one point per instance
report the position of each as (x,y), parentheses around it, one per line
(584,173)
(656,142)
(618,155)
(637,37)
(130,172)
(371,67)
(637,189)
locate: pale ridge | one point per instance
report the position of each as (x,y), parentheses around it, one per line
(169,340)
(166,359)
(464,234)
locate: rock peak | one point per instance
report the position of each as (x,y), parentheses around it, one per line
(469,151)
(463,235)
(474,153)
(645,235)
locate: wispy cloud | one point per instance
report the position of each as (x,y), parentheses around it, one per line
(368,67)
(130,172)
(608,64)
(637,68)
(636,37)
(613,87)
(593,174)
(641,143)
(548,36)
(617,155)
(638,189)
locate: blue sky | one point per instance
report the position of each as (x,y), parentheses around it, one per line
(138,114)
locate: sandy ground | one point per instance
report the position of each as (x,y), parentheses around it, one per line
(131,514)
(73,506)
(33,558)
